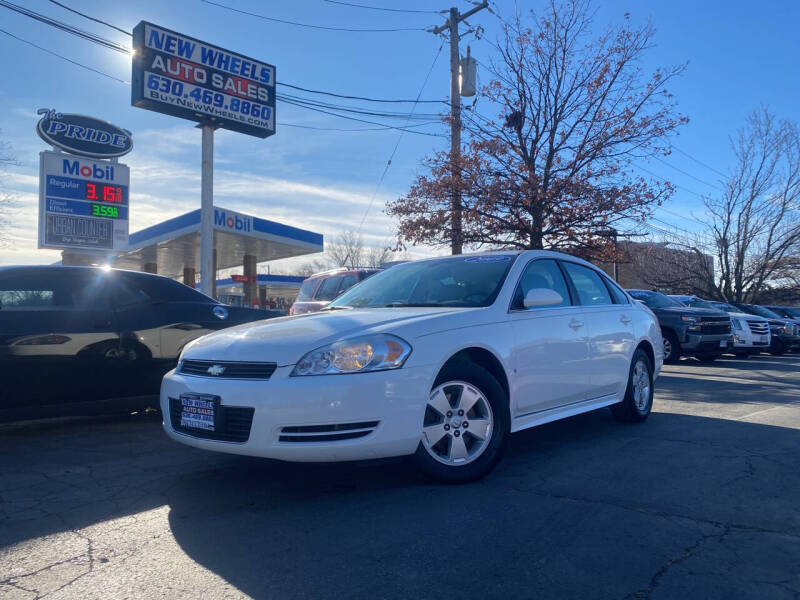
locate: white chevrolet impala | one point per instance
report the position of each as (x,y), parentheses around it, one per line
(440,359)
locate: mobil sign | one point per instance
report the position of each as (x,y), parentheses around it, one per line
(227,220)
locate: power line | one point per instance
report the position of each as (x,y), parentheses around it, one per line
(310,26)
(302,89)
(397,145)
(698,161)
(383,128)
(402,10)
(716,187)
(360,120)
(680,187)
(69,60)
(85,16)
(114,46)
(66,28)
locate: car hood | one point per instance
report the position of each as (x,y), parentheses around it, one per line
(286,339)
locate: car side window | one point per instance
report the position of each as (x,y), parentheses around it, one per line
(541,274)
(587,282)
(29,292)
(329,288)
(617,294)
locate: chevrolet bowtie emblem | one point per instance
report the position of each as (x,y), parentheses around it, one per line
(216,370)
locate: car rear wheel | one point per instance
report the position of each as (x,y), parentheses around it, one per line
(638,401)
(672,347)
(466,425)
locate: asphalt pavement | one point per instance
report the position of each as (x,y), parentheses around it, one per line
(701,501)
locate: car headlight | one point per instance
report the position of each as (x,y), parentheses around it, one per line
(355,355)
(736,323)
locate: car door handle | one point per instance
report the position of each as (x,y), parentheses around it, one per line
(575,324)
(625,320)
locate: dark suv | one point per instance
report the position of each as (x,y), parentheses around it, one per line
(785,334)
(82,339)
(699,332)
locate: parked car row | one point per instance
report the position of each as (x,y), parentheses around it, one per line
(705,329)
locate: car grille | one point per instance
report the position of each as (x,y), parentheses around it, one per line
(326,433)
(715,325)
(758,327)
(234,423)
(230,369)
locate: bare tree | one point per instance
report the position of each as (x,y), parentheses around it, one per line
(755,223)
(552,168)
(349,251)
(6,197)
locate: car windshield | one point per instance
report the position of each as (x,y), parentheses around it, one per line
(699,303)
(466,281)
(764,312)
(654,299)
(725,307)
(306,289)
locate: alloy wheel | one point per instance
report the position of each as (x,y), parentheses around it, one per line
(458,423)
(640,382)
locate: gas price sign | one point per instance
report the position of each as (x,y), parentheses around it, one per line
(83,203)
(185,77)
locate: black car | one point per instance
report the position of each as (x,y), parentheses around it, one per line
(785,332)
(78,339)
(699,332)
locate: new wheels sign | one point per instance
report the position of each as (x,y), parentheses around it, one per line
(83,203)
(184,77)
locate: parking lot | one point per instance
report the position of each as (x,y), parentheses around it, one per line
(701,501)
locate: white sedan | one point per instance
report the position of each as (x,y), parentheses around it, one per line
(440,359)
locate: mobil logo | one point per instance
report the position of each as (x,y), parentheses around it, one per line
(226,219)
(90,170)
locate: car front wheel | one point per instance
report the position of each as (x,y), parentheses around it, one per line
(466,425)
(672,347)
(638,401)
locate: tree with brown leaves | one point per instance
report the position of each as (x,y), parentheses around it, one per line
(553,168)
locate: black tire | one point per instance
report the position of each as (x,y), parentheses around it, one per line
(628,411)
(497,398)
(673,346)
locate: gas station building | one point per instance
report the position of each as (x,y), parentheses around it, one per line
(172,248)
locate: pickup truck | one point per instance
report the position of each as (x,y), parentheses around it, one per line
(699,332)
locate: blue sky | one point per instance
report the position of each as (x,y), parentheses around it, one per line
(741,55)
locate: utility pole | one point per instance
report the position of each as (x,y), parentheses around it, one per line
(456,243)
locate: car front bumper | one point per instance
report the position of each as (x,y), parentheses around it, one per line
(706,343)
(319,412)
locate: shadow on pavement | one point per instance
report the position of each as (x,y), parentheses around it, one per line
(585,508)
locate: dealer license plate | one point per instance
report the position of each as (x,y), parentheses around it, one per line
(723,343)
(199,411)
(764,339)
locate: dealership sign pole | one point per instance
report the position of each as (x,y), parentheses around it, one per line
(190,79)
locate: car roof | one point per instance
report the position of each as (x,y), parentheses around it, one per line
(341,271)
(74,268)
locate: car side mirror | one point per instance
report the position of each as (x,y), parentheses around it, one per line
(541,297)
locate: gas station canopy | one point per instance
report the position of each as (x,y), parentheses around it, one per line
(174,245)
